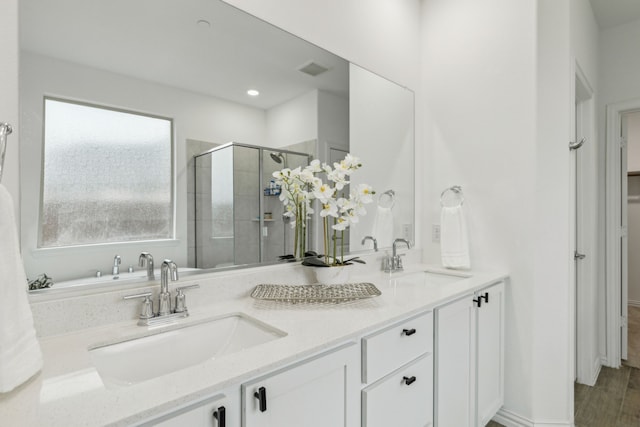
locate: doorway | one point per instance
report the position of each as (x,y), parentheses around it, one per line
(630,197)
(623,125)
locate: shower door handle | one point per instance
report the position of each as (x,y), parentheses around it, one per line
(577,255)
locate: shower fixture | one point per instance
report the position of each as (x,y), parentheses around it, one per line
(278,157)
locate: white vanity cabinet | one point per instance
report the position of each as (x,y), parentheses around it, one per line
(397,366)
(469,358)
(320,392)
(220,410)
(490,353)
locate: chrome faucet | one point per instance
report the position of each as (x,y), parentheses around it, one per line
(167,267)
(116,265)
(165,315)
(394,262)
(373,239)
(146,259)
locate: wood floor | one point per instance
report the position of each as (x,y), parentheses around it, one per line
(615,399)
(613,402)
(633,346)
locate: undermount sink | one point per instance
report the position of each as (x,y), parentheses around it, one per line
(435,276)
(143,358)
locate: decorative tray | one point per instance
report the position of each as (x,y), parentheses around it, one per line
(315,293)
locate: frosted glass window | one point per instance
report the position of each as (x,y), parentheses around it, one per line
(107,176)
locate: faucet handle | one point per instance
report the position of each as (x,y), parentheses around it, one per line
(387,264)
(147,305)
(181,300)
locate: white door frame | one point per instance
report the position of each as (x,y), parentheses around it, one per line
(614,255)
(584,234)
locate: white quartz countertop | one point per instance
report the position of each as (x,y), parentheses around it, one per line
(69,391)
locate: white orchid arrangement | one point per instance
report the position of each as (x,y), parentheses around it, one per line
(301,186)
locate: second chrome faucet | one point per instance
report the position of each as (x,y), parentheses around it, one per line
(145,259)
(394,262)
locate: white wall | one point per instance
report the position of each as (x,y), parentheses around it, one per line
(553,288)
(333,120)
(293,121)
(196,117)
(479,117)
(619,65)
(497,122)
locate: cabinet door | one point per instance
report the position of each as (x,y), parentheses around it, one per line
(201,413)
(321,392)
(490,348)
(402,398)
(455,364)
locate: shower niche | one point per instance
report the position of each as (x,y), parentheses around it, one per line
(238,213)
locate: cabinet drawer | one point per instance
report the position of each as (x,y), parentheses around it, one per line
(389,349)
(201,413)
(403,398)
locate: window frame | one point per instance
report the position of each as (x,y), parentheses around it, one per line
(173,178)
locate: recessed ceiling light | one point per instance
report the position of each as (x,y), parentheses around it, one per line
(253,92)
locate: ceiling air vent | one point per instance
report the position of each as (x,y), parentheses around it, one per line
(312,68)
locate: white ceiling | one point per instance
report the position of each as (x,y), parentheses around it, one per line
(161,41)
(610,13)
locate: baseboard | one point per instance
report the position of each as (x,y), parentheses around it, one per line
(511,419)
(597,366)
(554,424)
(634,303)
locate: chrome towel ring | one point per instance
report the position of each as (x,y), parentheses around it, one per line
(387,199)
(453,195)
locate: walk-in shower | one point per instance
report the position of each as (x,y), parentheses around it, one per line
(238,214)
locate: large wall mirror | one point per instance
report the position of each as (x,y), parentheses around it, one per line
(134,113)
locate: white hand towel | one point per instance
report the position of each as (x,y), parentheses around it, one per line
(454,241)
(20,355)
(383,227)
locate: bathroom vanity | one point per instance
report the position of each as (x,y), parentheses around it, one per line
(425,352)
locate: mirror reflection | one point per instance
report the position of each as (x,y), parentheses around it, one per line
(244,99)
(239,216)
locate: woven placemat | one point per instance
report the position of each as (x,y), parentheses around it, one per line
(315,293)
